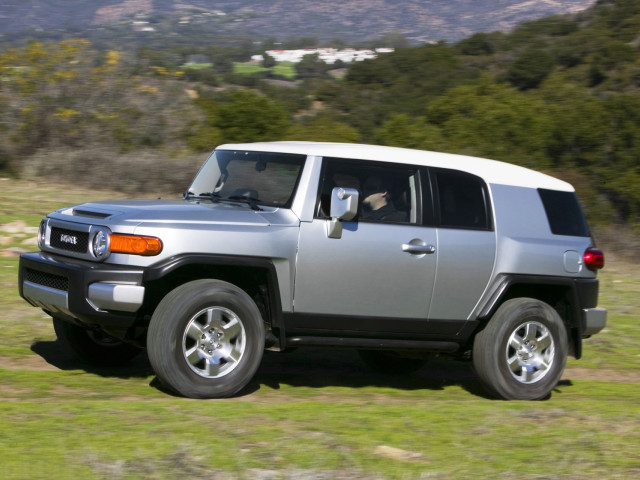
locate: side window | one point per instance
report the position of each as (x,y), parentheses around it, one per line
(564,213)
(462,200)
(388,192)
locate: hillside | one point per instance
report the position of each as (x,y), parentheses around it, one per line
(350,20)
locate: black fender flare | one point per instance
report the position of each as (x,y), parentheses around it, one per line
(163,269)
(579,293)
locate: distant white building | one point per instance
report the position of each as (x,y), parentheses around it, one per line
(327,55)
(142,26)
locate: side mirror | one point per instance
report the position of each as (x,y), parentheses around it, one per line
(344,207)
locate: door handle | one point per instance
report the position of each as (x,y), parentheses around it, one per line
(418,247)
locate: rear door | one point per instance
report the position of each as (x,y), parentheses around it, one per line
(466,244)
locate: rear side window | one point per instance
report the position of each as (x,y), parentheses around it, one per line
(462,200)
(564,213)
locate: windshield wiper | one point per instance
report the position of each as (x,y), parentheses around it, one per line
(251,201)
(215,197)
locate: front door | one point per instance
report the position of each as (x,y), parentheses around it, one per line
(379,274)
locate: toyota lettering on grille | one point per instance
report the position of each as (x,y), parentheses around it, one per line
(64,238)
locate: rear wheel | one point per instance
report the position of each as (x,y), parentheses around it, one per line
(206,339)
(94,347)
(522,352)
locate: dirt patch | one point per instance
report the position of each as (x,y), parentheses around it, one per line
(304,369)
(275,366)
(602,375)
(12,252)
(32,362)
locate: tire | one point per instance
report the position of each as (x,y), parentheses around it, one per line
(94,348)
(522,352)
(206,339)
(390,363)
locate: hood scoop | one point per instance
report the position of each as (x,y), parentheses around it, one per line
(78,212)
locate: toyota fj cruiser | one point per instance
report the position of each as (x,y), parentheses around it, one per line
(284,244)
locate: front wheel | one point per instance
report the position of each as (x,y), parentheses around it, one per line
(522,352)
(206,339)
(94,347)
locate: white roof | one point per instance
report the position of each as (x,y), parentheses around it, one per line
(491,171)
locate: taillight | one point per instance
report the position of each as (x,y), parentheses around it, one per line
(134,244)
(593,258)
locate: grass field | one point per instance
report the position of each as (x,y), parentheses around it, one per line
(310,414)
(283,69)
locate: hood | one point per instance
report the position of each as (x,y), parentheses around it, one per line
(192,211)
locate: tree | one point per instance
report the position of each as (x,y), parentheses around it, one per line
(268,61)
(311,67)
(477,44)
(494,121)
(323,129)
(246,116)
(530,68)
(411,132)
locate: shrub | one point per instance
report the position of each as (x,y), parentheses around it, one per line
(136,173)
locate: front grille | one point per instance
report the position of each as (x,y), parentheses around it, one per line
(47,279)
(69,240)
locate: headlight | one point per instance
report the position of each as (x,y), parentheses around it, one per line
(42,233)
(100,244)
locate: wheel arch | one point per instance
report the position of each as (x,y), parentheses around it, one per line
(558,292)
(256,276)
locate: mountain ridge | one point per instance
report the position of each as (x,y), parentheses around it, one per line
(355,20)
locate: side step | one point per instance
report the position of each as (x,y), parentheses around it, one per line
(374,344)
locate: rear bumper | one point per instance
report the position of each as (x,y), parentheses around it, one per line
(83,292)
(595,320)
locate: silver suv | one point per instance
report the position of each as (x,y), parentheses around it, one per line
(398,253)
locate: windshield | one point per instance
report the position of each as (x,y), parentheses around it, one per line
(263,178)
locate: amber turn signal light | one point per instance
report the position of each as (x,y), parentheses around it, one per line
(134,244)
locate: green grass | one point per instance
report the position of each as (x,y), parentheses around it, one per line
(197,66)
(283,69)
(307,414)
(586,431)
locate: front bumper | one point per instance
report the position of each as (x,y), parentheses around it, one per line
(86,293)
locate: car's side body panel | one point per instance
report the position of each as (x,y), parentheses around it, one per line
(524,239)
